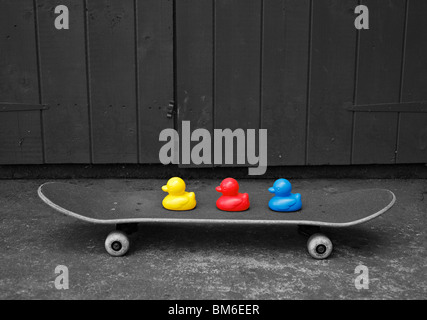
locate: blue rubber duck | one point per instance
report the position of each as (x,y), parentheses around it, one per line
(284,200)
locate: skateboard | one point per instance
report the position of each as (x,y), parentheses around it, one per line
(126,209)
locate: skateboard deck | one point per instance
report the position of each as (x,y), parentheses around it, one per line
(320,208)
(126,209)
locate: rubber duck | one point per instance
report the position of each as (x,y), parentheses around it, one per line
(178,199)
(231,199)
(284,200)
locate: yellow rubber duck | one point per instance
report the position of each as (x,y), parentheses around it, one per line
(178,199)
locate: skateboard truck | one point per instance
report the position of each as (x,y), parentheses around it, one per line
(128,228)
(308,231)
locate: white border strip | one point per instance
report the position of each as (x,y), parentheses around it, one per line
(214,221)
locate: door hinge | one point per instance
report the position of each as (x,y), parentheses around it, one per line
(9,106)
(171,109)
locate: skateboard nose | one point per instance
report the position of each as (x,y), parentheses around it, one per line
(165,188)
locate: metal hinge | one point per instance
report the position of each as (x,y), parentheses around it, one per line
(9,106)
(171,109)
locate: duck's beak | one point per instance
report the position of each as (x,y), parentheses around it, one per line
(218,189)
(271,190)
(165,188)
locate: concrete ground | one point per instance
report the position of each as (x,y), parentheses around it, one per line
(211,262)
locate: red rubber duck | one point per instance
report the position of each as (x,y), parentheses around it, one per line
(231,199)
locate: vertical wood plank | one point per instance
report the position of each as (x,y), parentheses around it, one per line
(412,140)
(155,74)
(194,63)
(20,132)
(284,79)
(112,80)
(62,55)
(237,64)
(380,61)
(333,47)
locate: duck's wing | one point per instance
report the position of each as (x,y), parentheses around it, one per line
(234,202)
(178,201)
(287,203)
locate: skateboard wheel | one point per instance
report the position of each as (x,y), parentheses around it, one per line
(117,243)
(319,246)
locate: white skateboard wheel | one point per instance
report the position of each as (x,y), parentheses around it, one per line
(319,246)
(117,243)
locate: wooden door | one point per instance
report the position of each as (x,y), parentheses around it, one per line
(97,92)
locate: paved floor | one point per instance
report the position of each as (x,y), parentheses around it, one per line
(211,262)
